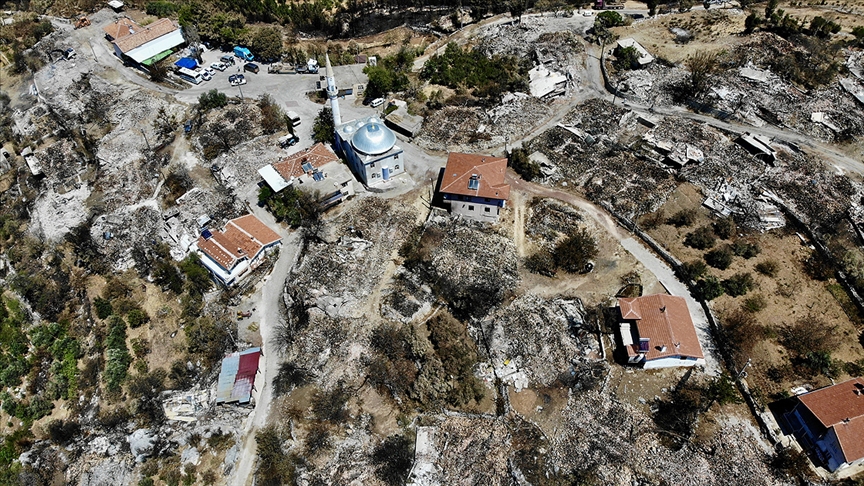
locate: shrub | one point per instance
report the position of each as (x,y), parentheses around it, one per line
(709,288)
(724,228)
(685,217)
(809,334)
(719,258)
(275,467)
(738,284)
(745,250)
(103,308)
(818,267)
(317,440)
(393,459)
(722,390)
(289,377)
(573,254)
(755,303)
(701,239)
(272,117)
(137,317)
(541,262)
(62,432)
(694,269)
(768,268)
(743,331)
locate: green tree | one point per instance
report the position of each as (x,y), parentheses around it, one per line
(739,284)
(266,43)
(576,251)
(523,166)
(211,100)
(158,71)
(709,288)
(719,258)
(608,19)
(323,130)
(626,58)
(701,239)
(272,116)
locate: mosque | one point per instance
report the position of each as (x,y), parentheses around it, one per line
(367,144)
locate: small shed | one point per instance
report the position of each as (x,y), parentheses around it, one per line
(237,377)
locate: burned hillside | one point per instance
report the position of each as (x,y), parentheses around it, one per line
(471,267)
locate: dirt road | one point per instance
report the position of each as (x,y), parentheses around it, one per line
(655,265)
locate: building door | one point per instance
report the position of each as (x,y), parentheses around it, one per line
(385,173)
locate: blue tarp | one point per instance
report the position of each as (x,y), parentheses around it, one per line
(186,62)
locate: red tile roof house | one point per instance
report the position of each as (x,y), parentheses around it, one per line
(143,44)
(231,254)
(657,332)
(829,423)
(301,167)
(474,186)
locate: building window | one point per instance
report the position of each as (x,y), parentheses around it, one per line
(470,208)
(498,211)
(486,209)
(396,168)
(372,165)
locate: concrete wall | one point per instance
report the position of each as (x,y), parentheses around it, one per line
(475,210)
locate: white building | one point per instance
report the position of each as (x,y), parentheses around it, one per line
(144,44)
(474,186)
(232,254)
(657,332)
(645,57)
(367,144)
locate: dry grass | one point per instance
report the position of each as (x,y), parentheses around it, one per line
(790,295)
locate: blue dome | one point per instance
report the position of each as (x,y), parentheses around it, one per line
(373,138)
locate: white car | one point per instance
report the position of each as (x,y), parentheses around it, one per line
(205,75)
(217,66)
(376,102)
(237,79)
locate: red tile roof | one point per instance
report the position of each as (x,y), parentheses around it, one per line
(665,320)
(121,28)
(143,35)
(318,155)
(841,406)
(242,237)
(490,170)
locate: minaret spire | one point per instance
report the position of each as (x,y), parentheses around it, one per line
(332,92)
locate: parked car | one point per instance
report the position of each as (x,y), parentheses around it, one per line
(288,141)
(236,79)
(206,75)
(218,66)
(377,102)
(227,60)
(251,67)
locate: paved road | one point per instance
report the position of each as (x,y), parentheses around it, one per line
(266,302)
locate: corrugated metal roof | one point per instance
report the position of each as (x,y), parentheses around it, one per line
(237,376)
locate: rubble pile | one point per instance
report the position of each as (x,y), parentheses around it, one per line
(223,129)
(239,167)
(548,219)
(543,337)
(193,211)
(653,84)
(472,268)
(471,129)
(408,297)
(115,234)
(557,50)
(472,450)
(341,271)
(585,148)
(615,443)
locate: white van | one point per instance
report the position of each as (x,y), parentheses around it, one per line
(376,102)
(294,117)
(193,77)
